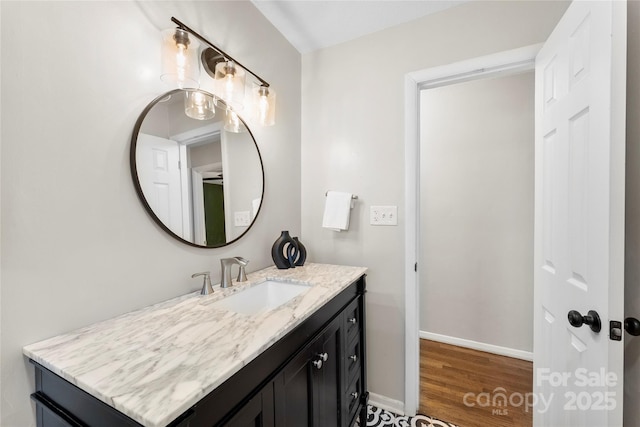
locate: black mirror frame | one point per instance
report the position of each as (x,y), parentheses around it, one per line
(138,187)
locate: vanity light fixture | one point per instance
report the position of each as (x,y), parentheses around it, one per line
(199,105)
(179,49)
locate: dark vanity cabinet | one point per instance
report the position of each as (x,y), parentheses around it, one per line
(314,376)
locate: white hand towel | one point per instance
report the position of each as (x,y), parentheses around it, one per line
(337,210)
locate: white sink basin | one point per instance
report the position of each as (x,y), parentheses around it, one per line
(262,297)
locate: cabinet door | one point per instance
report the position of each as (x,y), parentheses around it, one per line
(258,412)
(327,379)
(307,393)
(293,395)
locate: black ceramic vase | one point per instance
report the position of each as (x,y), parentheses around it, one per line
(302,253)
(284,251)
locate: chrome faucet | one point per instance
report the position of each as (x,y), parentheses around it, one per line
(225,264)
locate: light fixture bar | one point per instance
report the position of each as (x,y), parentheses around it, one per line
(217,49)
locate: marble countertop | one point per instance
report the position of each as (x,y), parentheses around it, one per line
(155,363)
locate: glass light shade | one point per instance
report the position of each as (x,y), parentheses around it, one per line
(230,83)
(180,66)
(232,122)
(264,105)
(199,105)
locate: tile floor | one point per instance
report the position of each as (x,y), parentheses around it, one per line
(377,417)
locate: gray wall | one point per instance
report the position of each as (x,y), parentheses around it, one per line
(476,217)
(77,245)
(353,140)
(205,154)
(632,225)
(242,178)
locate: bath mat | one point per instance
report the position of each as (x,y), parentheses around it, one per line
(377,417)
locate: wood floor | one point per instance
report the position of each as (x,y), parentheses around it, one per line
(448,373)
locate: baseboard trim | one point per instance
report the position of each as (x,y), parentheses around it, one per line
(475,345)
(386,403)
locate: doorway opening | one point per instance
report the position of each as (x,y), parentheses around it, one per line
(476,246)
(493,66)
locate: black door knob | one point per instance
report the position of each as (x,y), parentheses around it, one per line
(632,326)
(592,319)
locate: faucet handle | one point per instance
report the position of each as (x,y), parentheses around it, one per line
(242,275)
(206,282)
(241,261)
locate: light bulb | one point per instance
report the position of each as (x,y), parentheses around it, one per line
(263,107)
(181,64)
(228,86)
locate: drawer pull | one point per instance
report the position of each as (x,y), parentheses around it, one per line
(317,364)
(354,395)
(353,320)
(353,357)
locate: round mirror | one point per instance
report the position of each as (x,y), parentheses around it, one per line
(197,168)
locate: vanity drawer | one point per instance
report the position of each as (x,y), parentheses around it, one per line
(353,398)
(352,360)
(49,416)
(352,321)
(60,403)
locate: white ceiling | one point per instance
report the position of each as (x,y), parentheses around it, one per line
(314,24)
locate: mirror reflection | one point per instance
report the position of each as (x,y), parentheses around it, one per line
(197,168)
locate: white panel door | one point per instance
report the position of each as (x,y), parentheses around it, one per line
(579,218)
(159,175)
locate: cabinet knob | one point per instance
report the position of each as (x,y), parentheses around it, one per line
(353,357)
(317,364)
(354,395)
(353,320)
(323,356)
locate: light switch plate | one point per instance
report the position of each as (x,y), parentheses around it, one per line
(242,219)
(383,215)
